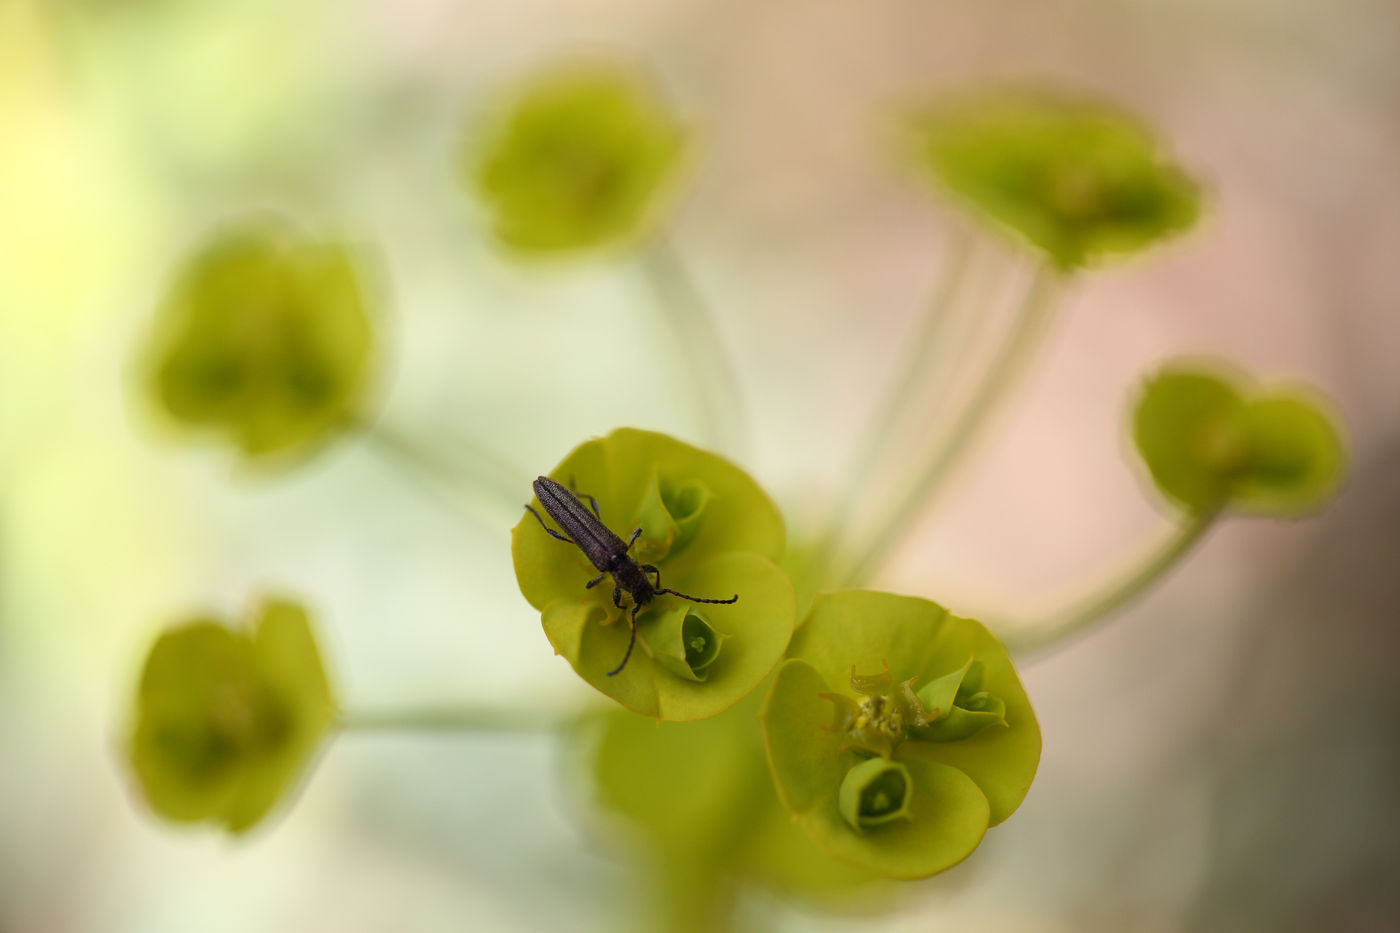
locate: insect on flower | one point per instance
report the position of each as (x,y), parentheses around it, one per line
(606,551)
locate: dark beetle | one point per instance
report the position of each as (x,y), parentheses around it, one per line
(605,550)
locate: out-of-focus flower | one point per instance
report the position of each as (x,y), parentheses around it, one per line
(263,342)
(711,531)
(579,159)
(1212,441)
(1077,179)
(898,771)
(227,719)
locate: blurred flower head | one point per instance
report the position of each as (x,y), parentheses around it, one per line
(578,159)
(1210,440)
(226,718)
(1077,179)
(263,342)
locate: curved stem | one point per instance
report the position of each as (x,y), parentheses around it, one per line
(714,387)
(1058,629)
(894,407)
(449,719)
(472,470)
(1030,324)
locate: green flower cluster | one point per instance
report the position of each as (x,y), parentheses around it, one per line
(1075,178)
(264,342)
(711,531)
(1211,440)
(897,733)
(226,719)
(578,160)
(893,774)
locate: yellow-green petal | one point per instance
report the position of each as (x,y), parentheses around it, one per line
(807,756)
(864,630)
(185,745)
(1189,427)
(1297,457)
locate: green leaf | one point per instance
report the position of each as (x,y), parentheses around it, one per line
(580,159)
(1075,178)
(1297,457)
(594,639)
(1210,441)
(263,342)
(226,720)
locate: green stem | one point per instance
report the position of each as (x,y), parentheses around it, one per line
(899,398)
(1030,324)
(449,719)
(1140,575)
(714,387)
(490,482)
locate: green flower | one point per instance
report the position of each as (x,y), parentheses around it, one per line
(263,341)
(226,719)
(710,531)
(578,160)
(1211,440)
(897,733)
(1075,178)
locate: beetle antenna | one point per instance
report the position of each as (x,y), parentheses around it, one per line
(698,599)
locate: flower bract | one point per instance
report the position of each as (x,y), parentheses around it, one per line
(1211,440)
(896,733)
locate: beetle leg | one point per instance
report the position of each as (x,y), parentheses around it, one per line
(595,581)
(583,495)
(552,533)
(652,568)
(631,643)
(633,540)
(617,596)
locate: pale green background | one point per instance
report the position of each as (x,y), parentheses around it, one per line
(1222,758)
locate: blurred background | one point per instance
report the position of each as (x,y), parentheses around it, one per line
(1224,756)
